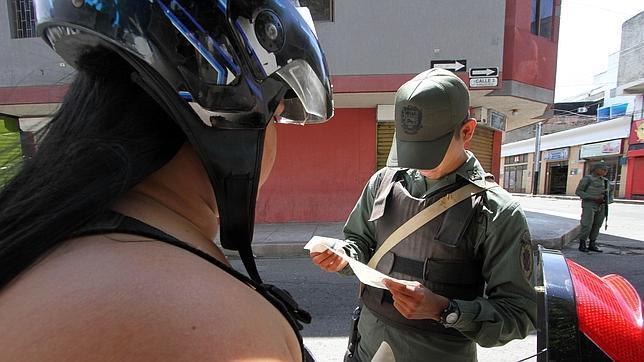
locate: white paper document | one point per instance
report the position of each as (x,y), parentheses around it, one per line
(364,273)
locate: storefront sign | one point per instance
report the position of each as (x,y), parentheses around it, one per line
(556,154)
(637,132)
(599,149)
(497,120)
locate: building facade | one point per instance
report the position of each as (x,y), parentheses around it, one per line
(565,157)
(609,129)
(630,81)
(505,51)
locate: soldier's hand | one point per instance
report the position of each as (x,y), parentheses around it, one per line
(599,200)
(416,301)
(328,260)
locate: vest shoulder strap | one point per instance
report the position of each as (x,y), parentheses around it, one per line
(389,177)
(425,216)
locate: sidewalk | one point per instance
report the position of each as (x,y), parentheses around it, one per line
(288,239)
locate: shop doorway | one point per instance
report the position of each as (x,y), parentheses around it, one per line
(557,178)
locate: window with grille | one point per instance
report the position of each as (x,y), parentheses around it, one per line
(514,178)
(509,160)
(22,16)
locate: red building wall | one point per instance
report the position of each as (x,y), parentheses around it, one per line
(320,170)
(529,58)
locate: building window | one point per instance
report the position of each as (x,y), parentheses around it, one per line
(542,16)
(514,178)
(509,160)
(321,10)
(23,18)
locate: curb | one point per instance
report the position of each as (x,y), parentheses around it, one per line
(566,197)
(273,250)
(296,249)
(561,242)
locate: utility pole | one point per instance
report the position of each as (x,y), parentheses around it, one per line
(537,156)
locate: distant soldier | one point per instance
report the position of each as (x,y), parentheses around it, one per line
(595,193)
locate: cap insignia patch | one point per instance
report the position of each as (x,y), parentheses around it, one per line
(411,119)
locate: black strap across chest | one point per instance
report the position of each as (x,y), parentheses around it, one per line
(113,222)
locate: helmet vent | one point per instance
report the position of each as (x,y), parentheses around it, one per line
(269,31)
(55,33)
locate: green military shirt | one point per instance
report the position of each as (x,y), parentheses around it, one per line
(592,187)
(503,242)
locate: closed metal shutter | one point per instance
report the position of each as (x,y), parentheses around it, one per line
(481,146)
(384,139)
(638,178)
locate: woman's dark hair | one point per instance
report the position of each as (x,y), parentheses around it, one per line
(107,136)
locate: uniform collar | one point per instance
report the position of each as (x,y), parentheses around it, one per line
(470,170)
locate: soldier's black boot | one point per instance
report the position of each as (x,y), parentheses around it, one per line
(582,246)
(593,247)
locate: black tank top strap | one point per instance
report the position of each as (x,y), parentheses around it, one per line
(113,222)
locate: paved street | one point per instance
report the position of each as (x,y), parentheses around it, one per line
(330,298)
(622,242)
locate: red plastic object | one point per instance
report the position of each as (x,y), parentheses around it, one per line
(609,311)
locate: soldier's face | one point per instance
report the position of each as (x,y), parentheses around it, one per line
(455,155)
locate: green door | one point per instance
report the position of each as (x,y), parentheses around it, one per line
(10,151)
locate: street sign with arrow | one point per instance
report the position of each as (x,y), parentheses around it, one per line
(484,72)
(458,65)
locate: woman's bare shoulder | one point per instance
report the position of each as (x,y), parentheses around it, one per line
(137,300)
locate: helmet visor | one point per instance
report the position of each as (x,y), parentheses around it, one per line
(311,104)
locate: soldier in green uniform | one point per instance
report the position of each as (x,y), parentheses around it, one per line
(472,265)
(595,193)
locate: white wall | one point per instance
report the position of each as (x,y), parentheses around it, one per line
(603,131)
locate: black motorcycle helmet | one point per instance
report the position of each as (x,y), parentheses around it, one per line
(220,68)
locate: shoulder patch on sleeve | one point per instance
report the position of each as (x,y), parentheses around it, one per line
(527,263)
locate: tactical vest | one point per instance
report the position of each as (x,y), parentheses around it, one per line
(597,187)
(439,255)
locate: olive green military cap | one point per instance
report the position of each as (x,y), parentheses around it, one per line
(427,110)
(598,165)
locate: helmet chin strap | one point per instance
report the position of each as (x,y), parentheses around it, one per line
(232,158)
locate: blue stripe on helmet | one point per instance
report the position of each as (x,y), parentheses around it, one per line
(186,96)
(101,6)
(221,4)
(224,54)
(249,47)
(221,70)
(201,29)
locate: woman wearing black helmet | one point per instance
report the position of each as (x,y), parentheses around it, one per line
(106,234)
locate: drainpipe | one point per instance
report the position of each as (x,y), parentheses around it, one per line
(537,156)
